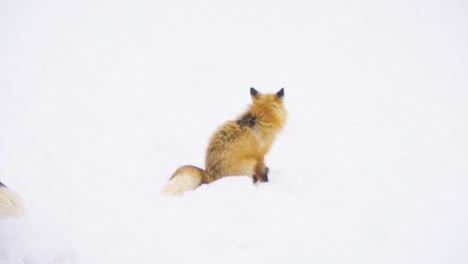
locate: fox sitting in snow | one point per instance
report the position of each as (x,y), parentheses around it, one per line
(238,147)
(10,203)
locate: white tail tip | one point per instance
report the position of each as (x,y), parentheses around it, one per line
(10,204)
(180,184)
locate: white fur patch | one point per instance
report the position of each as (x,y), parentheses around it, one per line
(180,184)
(10,204)
(260,137)
(247,168)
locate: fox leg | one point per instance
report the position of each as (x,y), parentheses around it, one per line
(265,176)
(261,172)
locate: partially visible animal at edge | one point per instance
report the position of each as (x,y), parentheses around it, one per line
(10,203)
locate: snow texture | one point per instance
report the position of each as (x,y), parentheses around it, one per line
(101,101)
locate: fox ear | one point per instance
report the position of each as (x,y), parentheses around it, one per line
(253,92)
(280,93)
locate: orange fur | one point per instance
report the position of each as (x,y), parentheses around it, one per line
(239,146)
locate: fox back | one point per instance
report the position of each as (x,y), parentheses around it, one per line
(238,147)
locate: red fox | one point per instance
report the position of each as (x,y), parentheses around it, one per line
(10,203)
(238,147)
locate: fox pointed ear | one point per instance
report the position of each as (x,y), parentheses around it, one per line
(253,92)
(280,93)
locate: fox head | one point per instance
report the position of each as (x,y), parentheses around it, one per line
(269,106)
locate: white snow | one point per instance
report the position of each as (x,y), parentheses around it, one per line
(101,101)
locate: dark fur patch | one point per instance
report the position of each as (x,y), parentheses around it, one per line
(247,119)
(264,177)
(253,92)
(280,93)
(2,185)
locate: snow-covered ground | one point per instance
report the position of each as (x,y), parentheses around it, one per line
(100,101)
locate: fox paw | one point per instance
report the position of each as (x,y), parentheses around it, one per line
(254,179)
(264,178)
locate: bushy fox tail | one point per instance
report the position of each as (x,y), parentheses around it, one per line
(184,179)
(10,203)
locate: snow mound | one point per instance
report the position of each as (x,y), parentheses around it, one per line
(26,241)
